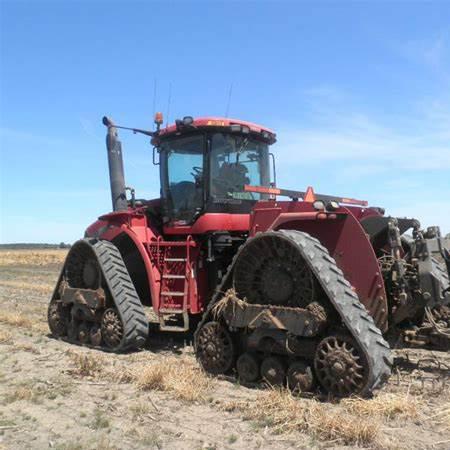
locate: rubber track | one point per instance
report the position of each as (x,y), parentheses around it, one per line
(123,293)
(346,302)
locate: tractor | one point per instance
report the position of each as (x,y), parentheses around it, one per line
(310,291)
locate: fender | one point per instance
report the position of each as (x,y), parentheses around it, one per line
(110,233)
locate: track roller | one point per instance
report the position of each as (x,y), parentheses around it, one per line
(300,377)
(247,367)
(83,332)
(95,335)
(273,370)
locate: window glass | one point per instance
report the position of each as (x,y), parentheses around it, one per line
(236,161)
(184,176)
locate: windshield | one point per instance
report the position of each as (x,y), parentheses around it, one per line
(234,162)
(182,175)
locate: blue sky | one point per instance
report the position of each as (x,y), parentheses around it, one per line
(358,93)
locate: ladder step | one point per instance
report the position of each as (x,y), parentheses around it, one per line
(174,328)
(175,277)
(173,294)
(175,259)
(170,311)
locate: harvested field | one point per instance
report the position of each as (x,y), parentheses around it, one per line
(61,396)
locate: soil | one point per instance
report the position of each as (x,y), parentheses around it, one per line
(48,400)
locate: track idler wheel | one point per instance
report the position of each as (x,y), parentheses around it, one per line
(247,367)
(112,328)
(58,317)
(340,366)
(215,348)
(300,377)
(270,270)
(273,371)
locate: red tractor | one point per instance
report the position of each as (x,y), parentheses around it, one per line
(305,291)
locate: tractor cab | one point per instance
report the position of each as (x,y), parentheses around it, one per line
(205,165)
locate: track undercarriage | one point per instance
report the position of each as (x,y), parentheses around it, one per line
(95,302)
(305,326)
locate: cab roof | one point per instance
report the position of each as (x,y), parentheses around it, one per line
(219,122)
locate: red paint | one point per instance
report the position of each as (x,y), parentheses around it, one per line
(201,122)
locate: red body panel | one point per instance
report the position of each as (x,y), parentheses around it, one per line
(212,222)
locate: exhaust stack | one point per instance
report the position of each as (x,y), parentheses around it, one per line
(116,172)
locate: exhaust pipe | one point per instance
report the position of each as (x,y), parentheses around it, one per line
(116,172)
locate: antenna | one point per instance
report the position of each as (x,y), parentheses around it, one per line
(230,93)
(168,104)
(154,98)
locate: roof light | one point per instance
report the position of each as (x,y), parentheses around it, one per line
(188,120)
(319,205)
(159,118)
(333,205)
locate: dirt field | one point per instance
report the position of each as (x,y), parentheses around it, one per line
(61,396)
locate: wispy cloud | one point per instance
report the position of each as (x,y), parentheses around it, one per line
(418,142)
(402,161)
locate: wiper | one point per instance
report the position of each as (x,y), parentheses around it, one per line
(241,149)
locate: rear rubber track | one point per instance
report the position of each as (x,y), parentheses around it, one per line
(354,315)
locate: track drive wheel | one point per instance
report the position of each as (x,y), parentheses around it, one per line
(111,328)
(58,318)
(340,366)
(247,367)
(273,370)
(214,348)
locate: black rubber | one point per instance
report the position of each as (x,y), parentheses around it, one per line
(354,315)
(121,289)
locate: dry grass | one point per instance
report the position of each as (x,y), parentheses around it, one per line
(21,347)
(16,319)
(284,413)
(442,417)
(86,365)
(42,288)
(32,257)
(20,393)
(139,410)
(5,337)
(183,379)
(385,405)
(19,319)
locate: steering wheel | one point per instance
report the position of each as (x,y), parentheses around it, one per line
(197,174)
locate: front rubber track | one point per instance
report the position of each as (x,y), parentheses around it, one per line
(121,290)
